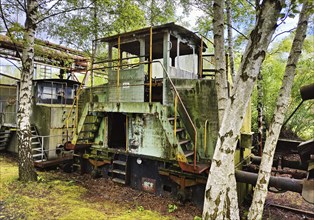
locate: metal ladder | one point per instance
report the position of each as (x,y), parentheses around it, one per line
(119,169)
(5,135)
(37,146)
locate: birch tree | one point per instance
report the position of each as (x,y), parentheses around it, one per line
(220,58)
(26,168)
(221,178)
(260,192)
(35,12)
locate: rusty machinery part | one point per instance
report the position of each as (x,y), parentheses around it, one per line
(306,212)
(257,160)
(278,182)
(283,162)
(306,149)
(307,92)
(295,173)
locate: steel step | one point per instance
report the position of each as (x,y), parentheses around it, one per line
(119,172)
(179,130)
(4,135)
(37,155)
(119,162)
(35,143)
(37,149)
(184,141)
(4,140)
(172,118)
(3,144)
(84,139)
(188,153)
(38,161)
(117,180)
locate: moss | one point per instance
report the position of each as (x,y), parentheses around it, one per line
(140,214)
(84,213)
(57,199)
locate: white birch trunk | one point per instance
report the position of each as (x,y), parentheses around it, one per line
(220,58)
(26,168)
(218,194)
(260,193)
(222,87)
(230,40)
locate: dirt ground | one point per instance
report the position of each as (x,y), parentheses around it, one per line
(106,198)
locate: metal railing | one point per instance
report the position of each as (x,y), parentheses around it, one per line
(150,62)
(178,98)
(43,139)
(75,105)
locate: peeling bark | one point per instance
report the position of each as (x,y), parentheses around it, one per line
(260,193)
(220,178)
(26,168)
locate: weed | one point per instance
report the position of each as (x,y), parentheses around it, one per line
(172,208)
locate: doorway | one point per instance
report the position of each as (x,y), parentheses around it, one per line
(116,130)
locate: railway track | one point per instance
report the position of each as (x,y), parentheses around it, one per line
(295,210)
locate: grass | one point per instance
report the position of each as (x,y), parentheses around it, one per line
(51,198)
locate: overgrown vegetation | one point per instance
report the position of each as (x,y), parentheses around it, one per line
(52,198)
(302,123)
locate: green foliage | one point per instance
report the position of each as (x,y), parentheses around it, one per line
(172,208)
(140,208)
(197,218)
(105,17)
(128,17)
(302,123)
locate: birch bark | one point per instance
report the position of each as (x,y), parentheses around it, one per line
(222,88)
(218,194)
(260,193)
(230,40)
(220,58)
(26,168)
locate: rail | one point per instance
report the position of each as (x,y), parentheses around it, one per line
(42,143)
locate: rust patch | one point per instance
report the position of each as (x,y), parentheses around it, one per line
(149,185)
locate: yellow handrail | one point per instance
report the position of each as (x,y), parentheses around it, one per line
(118,70)
(175,116)
(177,97)
(150,62)
(75,101)
(184,108)
(205,136)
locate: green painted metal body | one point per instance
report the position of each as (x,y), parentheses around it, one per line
(148,124)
